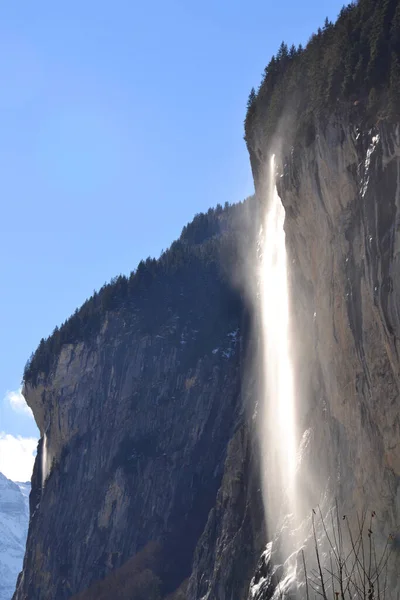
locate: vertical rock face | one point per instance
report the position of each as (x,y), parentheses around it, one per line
(342,204)
(145,445)
(341,195)
(13,529)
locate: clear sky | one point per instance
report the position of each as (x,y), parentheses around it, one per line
(119,122)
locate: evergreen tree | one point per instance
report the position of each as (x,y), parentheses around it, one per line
(251,99)
(282,52)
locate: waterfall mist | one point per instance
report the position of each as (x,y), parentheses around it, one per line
(277,415)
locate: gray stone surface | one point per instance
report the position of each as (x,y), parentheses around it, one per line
(341,195)
(146,440)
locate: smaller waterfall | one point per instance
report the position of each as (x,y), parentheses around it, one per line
(277,429)
(44,460)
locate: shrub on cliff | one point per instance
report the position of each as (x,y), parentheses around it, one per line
(349,563)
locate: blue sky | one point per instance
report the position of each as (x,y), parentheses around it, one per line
(119,121)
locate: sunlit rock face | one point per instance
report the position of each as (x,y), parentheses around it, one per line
(340,191)
(14,517)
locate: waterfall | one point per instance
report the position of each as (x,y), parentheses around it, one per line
(44,460)
(277,422)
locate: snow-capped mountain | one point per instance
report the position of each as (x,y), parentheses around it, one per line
(14,518)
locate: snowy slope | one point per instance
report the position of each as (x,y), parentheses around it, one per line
(14,516)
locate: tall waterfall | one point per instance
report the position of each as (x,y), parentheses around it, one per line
(277,429)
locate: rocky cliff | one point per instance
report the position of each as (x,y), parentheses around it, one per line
(146,457)
(146,435)
(146,483)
